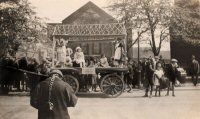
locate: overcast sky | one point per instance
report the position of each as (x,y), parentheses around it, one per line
(57,10)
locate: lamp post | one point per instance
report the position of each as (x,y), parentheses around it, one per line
(139,69)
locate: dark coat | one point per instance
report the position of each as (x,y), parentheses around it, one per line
(144,67)
(172,73)
(149,72)
(194,67)
(129,75)
(62,96)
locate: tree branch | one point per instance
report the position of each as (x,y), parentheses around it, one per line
(138,37)
(163,36)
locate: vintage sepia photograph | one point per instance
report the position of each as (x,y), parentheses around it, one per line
(99,59)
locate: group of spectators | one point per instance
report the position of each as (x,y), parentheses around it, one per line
(12,77)
(155,73)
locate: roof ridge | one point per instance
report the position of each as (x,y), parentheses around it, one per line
(85,7)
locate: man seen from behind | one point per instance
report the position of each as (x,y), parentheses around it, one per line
(53,96)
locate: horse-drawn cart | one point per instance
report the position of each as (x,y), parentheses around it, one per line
(111,81)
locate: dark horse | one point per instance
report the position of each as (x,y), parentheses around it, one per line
(7,74)
(167,81)
(10,75)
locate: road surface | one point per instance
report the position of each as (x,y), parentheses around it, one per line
(186,105)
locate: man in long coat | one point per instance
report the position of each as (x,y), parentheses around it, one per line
(61,95)
(194,70)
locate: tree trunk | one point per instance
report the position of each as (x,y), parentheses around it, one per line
(154,49)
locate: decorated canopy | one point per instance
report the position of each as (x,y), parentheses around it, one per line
(89,31)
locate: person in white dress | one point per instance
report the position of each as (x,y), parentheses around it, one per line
(79,58)
(61,53)
(119,52)
(158,74)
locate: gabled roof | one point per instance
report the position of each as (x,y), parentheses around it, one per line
(89,5)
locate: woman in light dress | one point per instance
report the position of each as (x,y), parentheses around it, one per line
(158,74)
(119,53)
(61,53)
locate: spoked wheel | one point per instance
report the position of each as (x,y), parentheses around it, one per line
(72,81)
(112,85)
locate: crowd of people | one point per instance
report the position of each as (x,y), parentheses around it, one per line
(19,80)
(155,73)
(154,70)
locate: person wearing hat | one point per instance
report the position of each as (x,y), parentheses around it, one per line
(149,77)
(79,58)
(44,68)
(172,74)
(53,96)
(194,70)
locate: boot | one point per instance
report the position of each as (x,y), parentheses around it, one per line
(150,94)
(167,92)
(156,92)
(95,88)
(159,92)
(173,91)
(146,95)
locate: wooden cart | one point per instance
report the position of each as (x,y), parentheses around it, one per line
(112,78)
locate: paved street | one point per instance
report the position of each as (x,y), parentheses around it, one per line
(186,105)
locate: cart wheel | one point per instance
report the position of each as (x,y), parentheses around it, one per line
(112,85)
(72,81)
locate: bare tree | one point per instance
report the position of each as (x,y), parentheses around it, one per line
(126,11)
(145,16)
